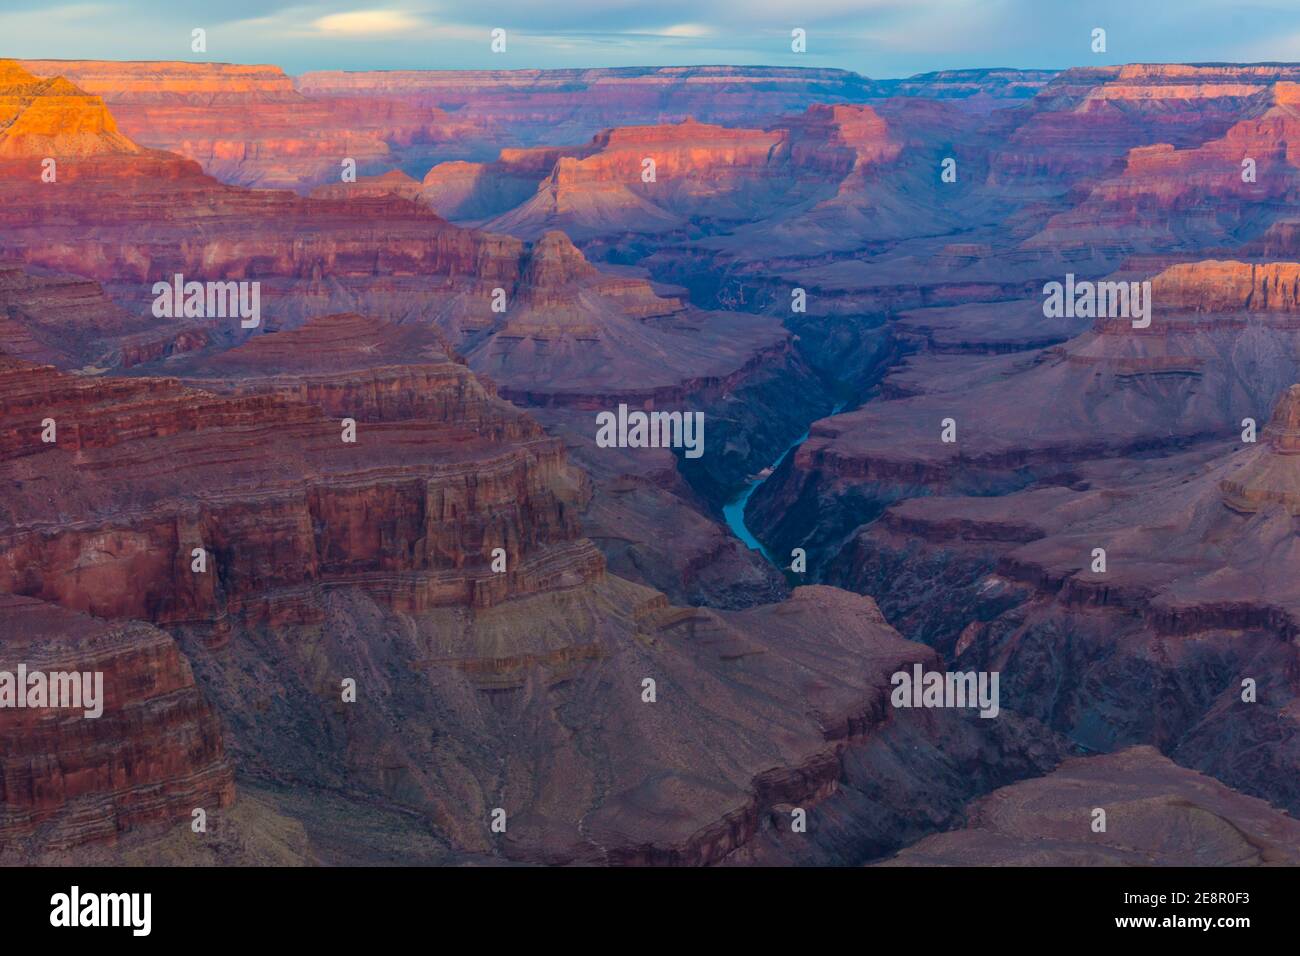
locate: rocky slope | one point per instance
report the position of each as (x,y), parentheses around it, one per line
(1157,813)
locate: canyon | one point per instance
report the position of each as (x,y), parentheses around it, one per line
(362,581)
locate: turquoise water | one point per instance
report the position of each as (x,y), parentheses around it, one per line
(734,511)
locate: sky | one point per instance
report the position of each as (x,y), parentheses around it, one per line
(877,38)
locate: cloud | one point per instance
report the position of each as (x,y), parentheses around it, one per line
(685,30)
(367,23)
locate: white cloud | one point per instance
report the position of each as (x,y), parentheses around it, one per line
(685,30)
(367,23)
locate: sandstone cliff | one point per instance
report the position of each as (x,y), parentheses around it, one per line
(152,757)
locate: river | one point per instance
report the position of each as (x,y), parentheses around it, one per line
(734,511)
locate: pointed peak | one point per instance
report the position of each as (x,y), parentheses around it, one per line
(1283,430)
(61,86)
(554,260)
(1270,476)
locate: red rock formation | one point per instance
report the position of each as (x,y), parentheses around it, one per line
(1112,390)
(175,80)
(601,188)
(53,118)
(247,124)
(152,757)
(1081,124)
(159,228)
(701,171)
(1228,287)
(252,125)
(352,366)
(384,514)
(130,219)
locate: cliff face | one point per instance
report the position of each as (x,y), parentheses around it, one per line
(280,524)
(284,514)
(70,322)
(1081,124)
(695,167)
(355,366)
(157,229)
(174,81)
(1229,287)
(152,757)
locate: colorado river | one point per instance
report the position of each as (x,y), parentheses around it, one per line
(734,511)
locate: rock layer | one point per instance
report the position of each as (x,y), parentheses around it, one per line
(152,757)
